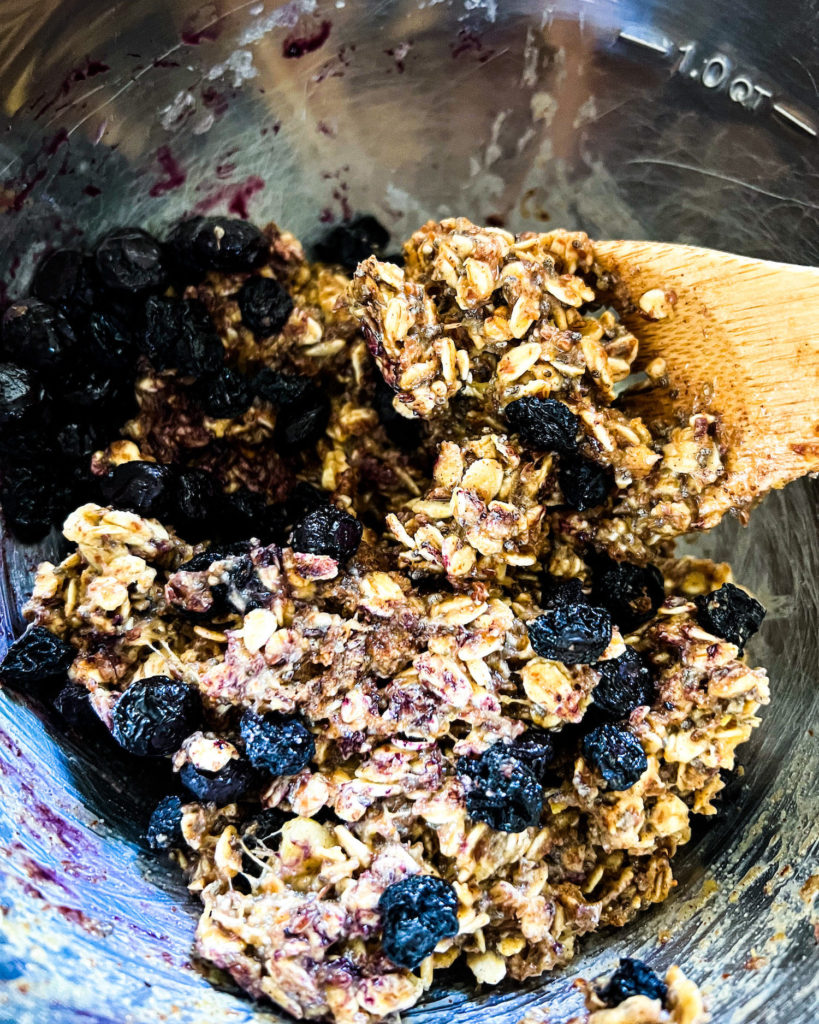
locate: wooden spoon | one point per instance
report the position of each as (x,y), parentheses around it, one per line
(740,340)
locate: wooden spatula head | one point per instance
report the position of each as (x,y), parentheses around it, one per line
(740,340)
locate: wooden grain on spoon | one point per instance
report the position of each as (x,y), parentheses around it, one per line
(740,339)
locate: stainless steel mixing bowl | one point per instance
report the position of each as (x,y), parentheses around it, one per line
(690,122)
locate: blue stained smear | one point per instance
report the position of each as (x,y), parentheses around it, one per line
(11,969)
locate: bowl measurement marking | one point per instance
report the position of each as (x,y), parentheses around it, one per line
(718,72)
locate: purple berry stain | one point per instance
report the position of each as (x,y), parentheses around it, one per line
(399,55)
(175,175)
(235,197)
(215,101)
(297,46)
(201,27)
(470,42)
(60,138)
(91,69)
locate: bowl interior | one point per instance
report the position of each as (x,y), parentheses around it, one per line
(599,116)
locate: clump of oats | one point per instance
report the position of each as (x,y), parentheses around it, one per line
(414,655)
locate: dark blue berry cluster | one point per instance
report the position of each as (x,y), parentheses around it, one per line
(503,785)
(548,425)
(70,352)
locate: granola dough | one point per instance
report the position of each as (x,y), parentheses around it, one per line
(415,652)
(683,1004)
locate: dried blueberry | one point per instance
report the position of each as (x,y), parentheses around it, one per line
(27,497)
(576,634)
(242,589)
(416,913)
(145,488)
(94,389)
(632,978)
(27,451)
(281,389)
(632,593)
(224,395)
(303,499)
(327,530)
(36,657)
(107,341)
(37,336)
(263,827)
(404,433)
(300,426)
(349,244)
(544,424)
(252,867)
(557,592)
(180,334)
(616,754)
(72,702)
(730,613)
(164,830)
(205,559)
(501,789)
(161,331)
(259,835)
(29,446)
(195,496)
(223,787)
(72,486)
(154,715)
(199,349)
(536,749)
(20,394)
(625,683)
(265,305)
(245,513)
(129,260)
(200,244)
(65,279)
(278,744)
(584,484)
(77,440)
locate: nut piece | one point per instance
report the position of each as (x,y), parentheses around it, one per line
(489,968)
(259,626)
(656,304)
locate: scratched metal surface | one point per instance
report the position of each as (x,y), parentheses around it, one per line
(685,122)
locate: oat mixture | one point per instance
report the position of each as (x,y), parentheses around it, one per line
(634,994)
(445,691)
